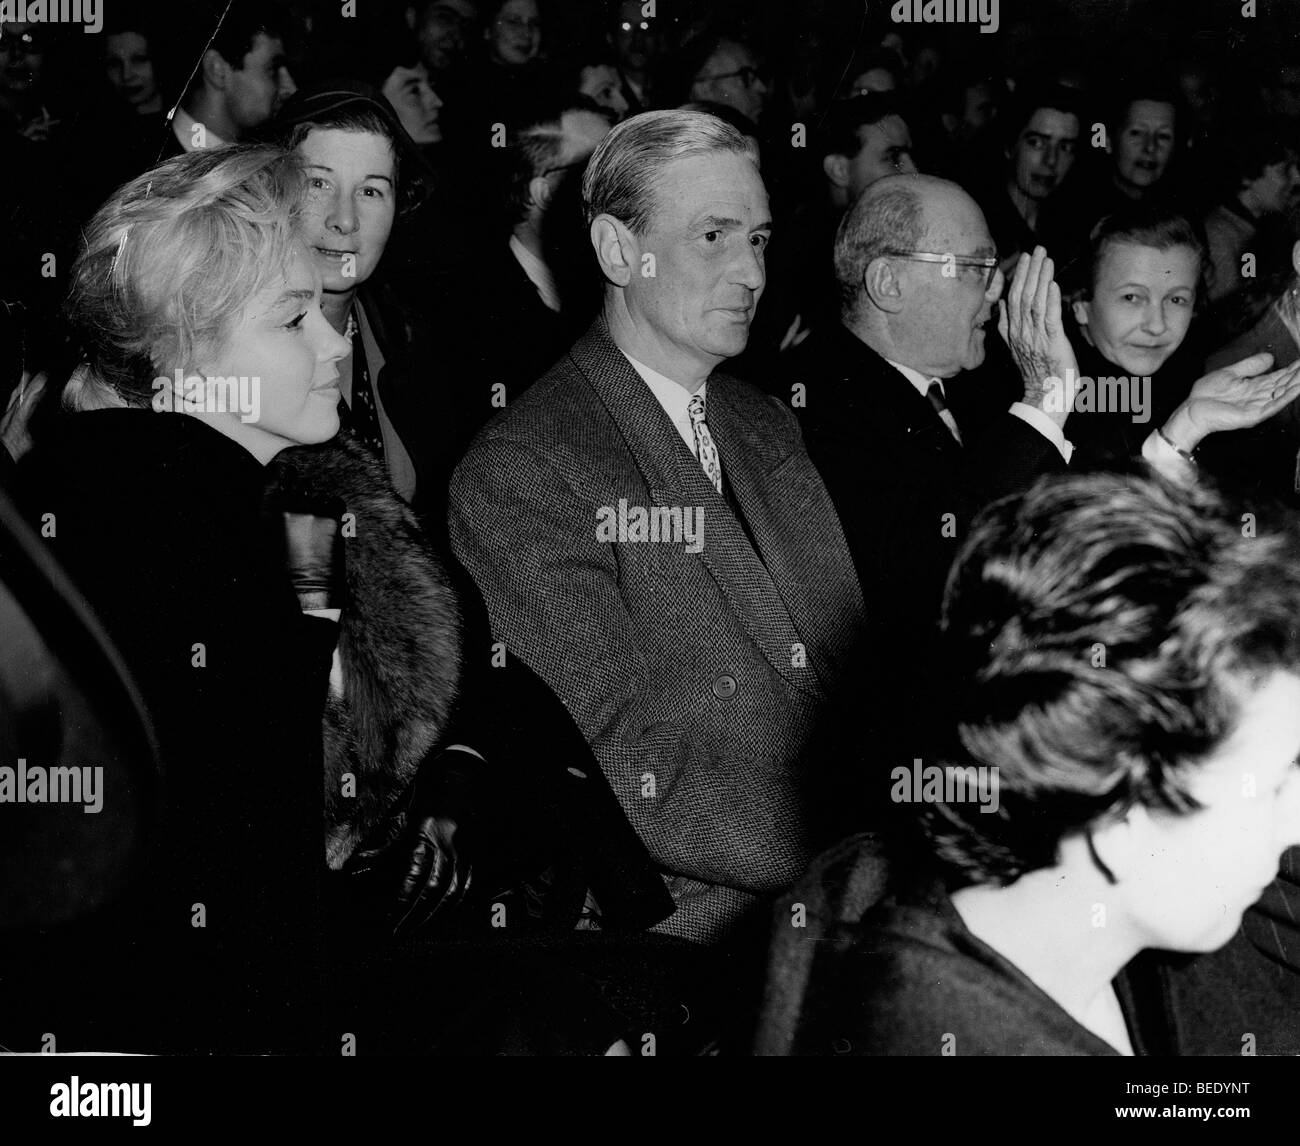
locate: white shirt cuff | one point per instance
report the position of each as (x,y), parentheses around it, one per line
(1045,426)
(1167,461)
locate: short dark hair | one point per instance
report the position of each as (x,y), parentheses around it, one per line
(1022,107)
(244,22)
(690,59)
(1157,89)
(873,58)
(1140,225)
(838,134)
(1100,631)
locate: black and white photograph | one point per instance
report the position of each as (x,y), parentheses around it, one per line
(649,528)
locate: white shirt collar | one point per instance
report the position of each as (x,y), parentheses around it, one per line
(673,397)
(539,274)
(920,383)
(182,125)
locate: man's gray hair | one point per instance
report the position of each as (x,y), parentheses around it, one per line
(621,175)
(883,219)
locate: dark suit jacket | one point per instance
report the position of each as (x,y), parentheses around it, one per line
(503,332)
(1261,461)
(906,493)
(698,678)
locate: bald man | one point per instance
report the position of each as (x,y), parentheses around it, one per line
(907,461)
(918,276)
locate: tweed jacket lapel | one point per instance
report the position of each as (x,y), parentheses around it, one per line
(775,489)
(674,477)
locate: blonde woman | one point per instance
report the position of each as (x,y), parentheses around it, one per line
(206,353)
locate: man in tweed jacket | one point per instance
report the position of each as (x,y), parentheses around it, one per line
(674,569)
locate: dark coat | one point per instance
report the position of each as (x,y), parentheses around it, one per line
(906,493)
(425,402)
(1263,461)
(245,829)
(899,974)
(1252,985)
(698,678)
(158,520)
(499,334)
(1111,439)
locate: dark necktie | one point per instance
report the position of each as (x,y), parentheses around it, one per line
(362,417)
(935,394)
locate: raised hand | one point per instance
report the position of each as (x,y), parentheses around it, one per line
(1030,324)
(1233,397)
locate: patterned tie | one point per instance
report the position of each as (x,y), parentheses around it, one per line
(705,450)
(361,417)
(935,394)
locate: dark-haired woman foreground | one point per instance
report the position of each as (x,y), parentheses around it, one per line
(1128,672)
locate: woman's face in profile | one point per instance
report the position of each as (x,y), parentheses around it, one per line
(1189,878)
(415,102)
(1141,305)
(290,355)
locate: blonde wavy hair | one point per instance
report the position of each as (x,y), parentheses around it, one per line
(169,263)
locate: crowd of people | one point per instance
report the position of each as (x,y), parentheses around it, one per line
(496,492)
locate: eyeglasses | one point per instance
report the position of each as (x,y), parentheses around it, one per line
(747,76)
(990,265)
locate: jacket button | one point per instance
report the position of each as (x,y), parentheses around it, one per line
(724,688)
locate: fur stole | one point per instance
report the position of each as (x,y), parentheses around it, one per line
(399,640)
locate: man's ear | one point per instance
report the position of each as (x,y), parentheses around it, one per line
(410,16)
(883,286)
(216,72)
(1295,258)
(540,191)
(836,168)
(617,250)
(950,122)
(1081,307)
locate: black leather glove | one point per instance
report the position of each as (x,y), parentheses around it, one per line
(418,861)
(437,874)
(314,555)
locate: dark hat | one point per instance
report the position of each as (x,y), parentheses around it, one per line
(325,100)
